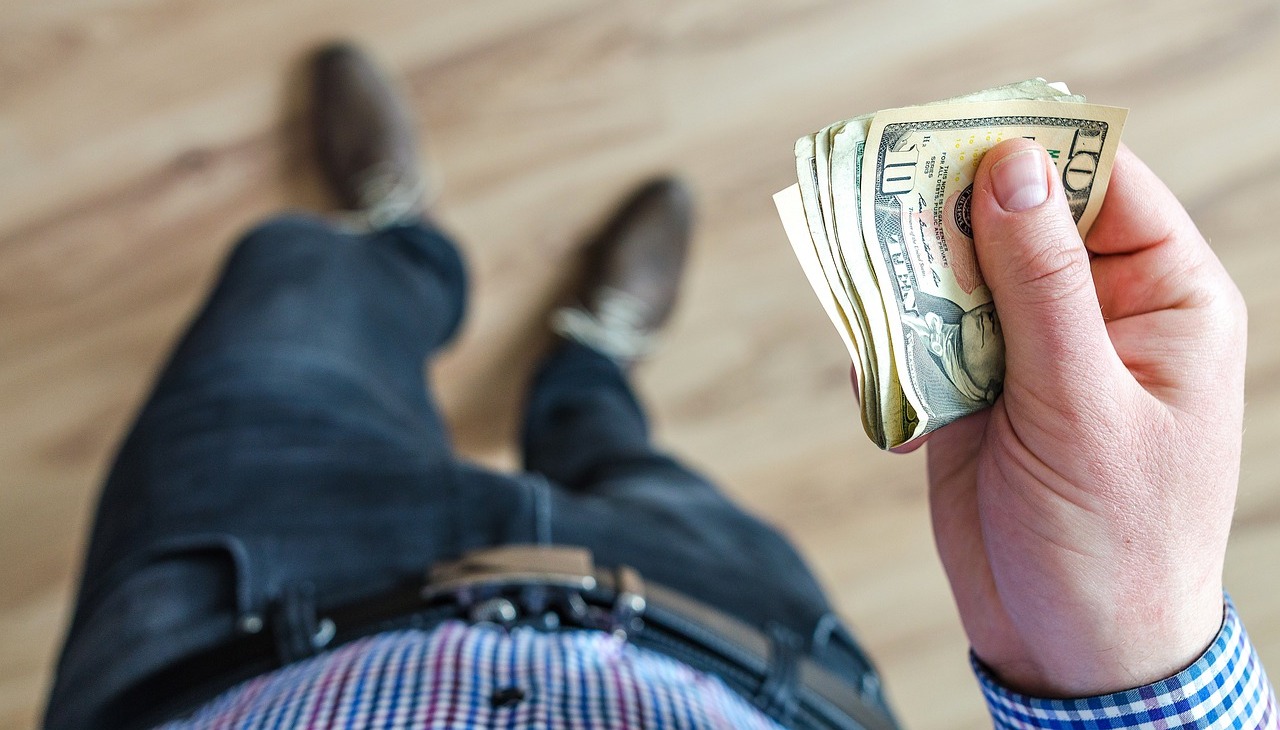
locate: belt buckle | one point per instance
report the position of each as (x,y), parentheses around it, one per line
(546,577)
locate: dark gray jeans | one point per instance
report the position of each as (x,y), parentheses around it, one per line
(290,441)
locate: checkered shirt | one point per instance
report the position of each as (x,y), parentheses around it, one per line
(482,676)
(1226,688)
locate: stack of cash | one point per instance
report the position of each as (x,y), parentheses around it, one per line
(880,224)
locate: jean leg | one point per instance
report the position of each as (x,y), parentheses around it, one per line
(312,336)
(585,429)
(376,305)
(292,409)
(586,432)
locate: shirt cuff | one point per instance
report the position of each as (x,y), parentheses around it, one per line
(1226,688)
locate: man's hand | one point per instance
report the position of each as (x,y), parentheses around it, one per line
(1083,520)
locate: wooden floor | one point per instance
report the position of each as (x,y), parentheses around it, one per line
(138,137)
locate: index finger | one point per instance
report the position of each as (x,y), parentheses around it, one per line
(1140,212)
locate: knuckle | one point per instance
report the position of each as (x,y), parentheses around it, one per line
(1239,308)
(1222,301)
(1049,259)
(1237,312)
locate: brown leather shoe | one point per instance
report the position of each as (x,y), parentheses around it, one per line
(365,138)
(633,276)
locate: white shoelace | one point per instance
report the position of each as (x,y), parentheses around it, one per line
(615,329)
(386,199)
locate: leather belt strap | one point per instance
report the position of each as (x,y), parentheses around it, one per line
(487,585)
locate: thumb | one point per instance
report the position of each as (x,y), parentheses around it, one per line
(1034,261)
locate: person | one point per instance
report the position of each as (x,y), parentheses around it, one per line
(287,540)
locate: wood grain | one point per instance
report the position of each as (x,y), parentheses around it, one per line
(139,137)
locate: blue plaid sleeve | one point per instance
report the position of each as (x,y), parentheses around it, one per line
(1226,688)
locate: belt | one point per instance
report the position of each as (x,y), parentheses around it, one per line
(548,586)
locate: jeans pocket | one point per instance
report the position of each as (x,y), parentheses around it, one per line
(149,611)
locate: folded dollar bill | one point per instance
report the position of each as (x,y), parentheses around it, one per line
(879,221)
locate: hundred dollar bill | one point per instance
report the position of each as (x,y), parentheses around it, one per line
(836,234)
(915,191)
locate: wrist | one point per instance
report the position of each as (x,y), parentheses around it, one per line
(1225,687)
(1129,648)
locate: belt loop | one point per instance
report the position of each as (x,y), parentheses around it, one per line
(834,646)
(822,631)
(777,697)
(298,631)
(540,505)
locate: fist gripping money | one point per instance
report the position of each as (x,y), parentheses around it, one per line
(880,220)
(1082,520)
